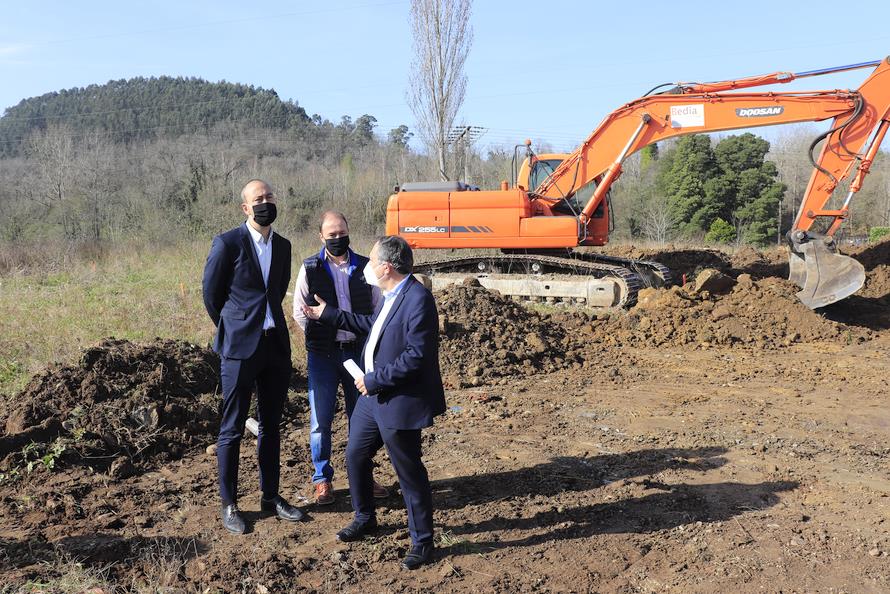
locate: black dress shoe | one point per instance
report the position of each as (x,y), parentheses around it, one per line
(232,520)
(282,509)
(418,555)
(357,530)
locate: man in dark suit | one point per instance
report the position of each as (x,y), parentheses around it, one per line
(245,279)
(402,392)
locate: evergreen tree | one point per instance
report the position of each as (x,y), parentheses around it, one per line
(400,136)
(145,108)
(752,191)
(682,181)
(729,182)
(648,157)
(720,232)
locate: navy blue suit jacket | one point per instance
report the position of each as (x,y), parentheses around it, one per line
(406,377)
(236,297)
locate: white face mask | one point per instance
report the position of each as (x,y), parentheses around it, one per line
(370,277)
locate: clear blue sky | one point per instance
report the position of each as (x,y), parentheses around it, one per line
(546,70)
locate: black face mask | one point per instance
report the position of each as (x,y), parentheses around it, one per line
(264,214)
(337,246)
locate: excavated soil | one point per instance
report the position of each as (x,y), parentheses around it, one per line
(486,336)
(876,260)
(720,440)
(688,262)
(120,405)
(762,314)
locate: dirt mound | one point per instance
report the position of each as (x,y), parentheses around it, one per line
(680,260)
(484,335)
(125,400)
(873,256)
(764,314)
(876,260)
(877,283)
(772,262)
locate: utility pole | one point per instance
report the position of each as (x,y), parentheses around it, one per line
(462,137)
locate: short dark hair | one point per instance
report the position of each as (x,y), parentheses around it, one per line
(331,213)
(396,251)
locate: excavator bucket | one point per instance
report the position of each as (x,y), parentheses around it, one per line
(823,275)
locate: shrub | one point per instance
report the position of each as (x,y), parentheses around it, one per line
(720,232)
(875,234)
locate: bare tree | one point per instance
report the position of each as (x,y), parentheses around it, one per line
(442,39)
(790,154)
(95,176)
(658,221)
(52,151)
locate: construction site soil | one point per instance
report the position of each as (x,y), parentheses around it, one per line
(719,436)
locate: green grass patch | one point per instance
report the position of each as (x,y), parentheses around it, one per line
(130,292)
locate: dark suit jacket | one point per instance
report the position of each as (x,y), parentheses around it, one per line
(406,377)
(236,297)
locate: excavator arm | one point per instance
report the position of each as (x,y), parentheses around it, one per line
(860,119)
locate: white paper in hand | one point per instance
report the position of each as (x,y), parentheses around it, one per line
(353,369)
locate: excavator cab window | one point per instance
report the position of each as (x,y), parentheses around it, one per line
(541,170)
(574,204)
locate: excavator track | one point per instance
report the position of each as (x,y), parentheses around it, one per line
(532,264)
(651,273)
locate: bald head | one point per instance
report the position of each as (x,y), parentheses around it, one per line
(257,193)
(254,188)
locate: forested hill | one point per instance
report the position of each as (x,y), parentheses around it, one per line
(140,108)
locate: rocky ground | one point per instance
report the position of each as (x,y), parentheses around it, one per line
(708,440)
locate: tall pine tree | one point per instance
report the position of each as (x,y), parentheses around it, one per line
(682,181)
(731,182)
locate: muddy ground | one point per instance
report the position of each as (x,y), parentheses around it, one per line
(704,441)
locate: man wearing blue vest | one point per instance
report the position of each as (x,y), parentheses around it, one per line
(245,280)
(334,274)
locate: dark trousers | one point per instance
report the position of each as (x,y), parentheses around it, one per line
(366,436)
(268,370)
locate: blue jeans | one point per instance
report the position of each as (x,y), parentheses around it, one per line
(326,372)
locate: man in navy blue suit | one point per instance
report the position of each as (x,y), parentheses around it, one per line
(401,392)
(245,279)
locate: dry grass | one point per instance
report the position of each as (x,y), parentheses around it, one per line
(51,311)
(74,578)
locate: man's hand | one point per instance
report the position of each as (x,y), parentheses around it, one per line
(360,384)
(313,312)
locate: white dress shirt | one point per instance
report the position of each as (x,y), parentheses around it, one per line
(263,249)
(388,300)
(341,272)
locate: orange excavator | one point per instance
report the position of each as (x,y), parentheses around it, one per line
(560,202)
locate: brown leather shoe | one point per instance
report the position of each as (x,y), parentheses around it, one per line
(324,493)
(380,492)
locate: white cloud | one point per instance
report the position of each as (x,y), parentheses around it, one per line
(11,51)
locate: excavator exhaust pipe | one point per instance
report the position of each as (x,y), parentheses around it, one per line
(823,275)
